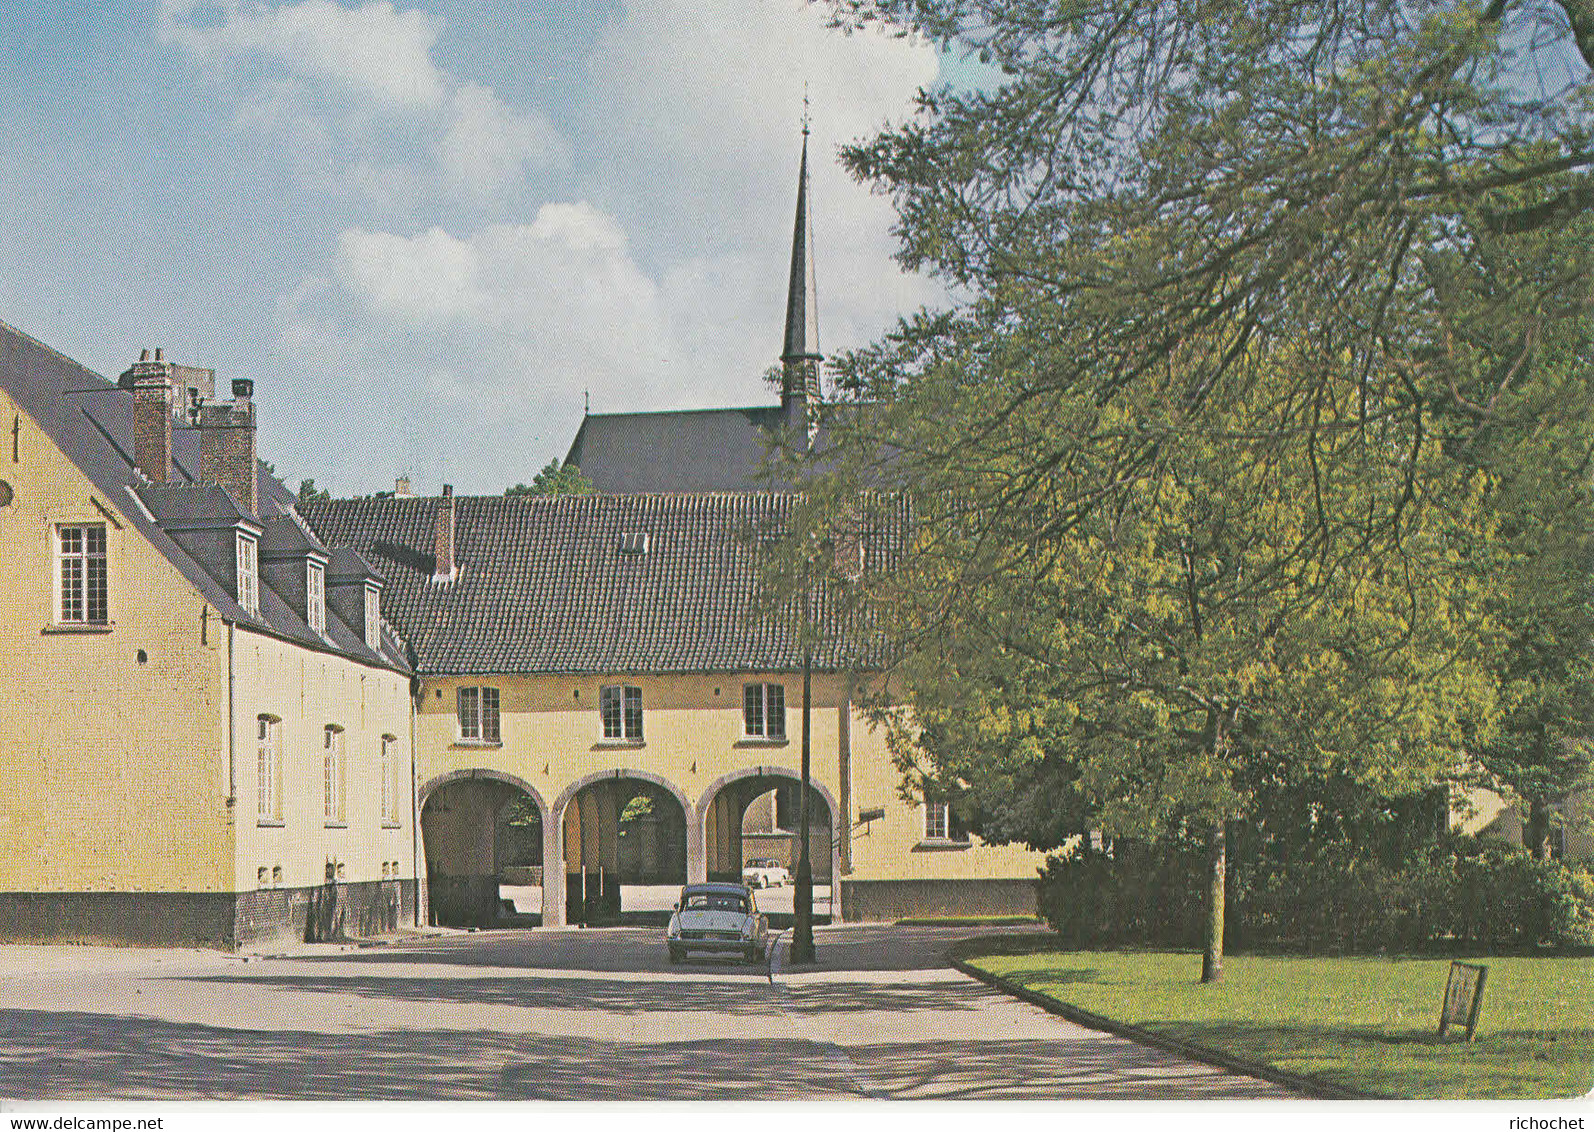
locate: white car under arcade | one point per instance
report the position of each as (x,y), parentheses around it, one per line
(765,873)
(720,919)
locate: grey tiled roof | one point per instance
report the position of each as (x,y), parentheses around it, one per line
(91,421)
(543,586)
(692,450)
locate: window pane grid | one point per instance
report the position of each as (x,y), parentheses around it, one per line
(248,591)
(332,774)
(609,708)
(84,577)
(469,714)
(764,710)
(269,793)
(633,713)
(315,599)
(620,708)
(389,783)
(489,723)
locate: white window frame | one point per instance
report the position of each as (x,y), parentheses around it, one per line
(268,769)
(770,701)
(478,715)
(620,713)
(333,810)
(247,554)
(389,771)
(938,824)
(315,596)
(373,619)
(82,574)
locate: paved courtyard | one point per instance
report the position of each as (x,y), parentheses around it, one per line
(554,1015)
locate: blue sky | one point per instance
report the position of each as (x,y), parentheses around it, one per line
(425,230)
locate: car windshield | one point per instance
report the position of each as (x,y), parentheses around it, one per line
(714,902)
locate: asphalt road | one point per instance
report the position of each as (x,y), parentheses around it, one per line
(555,1015)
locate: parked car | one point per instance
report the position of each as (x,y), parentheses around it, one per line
(765,873)
(720,919)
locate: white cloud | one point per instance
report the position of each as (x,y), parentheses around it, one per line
(373,50)
(521,308)
(487,145)
(360,87)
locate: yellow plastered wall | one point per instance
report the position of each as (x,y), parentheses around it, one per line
(1487,814)
(305,692)
(112,770)
(551,738)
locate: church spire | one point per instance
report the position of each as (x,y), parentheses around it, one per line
(800,357)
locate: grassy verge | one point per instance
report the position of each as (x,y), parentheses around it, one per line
(1364,1023)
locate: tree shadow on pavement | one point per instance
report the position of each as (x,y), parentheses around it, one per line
(871,947)
(103,1056)
(663,995)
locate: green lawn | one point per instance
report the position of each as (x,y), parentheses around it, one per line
(1366,1023)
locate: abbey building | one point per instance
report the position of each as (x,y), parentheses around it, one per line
(240,718)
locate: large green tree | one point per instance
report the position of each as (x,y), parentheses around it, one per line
(1259,306)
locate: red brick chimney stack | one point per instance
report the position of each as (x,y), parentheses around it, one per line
(151,383)
(227,445)
(443,544)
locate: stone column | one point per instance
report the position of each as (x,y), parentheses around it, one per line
(553,870)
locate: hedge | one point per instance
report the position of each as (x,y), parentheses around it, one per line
(1460,891)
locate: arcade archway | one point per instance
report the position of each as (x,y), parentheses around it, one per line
(752,815)
(624,842)
(481,833)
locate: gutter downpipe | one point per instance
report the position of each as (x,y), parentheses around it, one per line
(415,809)
(232,728)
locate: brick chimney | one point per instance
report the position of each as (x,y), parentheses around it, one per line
(443,542)
(151,384)
(227,445)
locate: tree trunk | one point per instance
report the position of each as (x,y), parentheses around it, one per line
(1536,833)
(1217,866)
(802,932)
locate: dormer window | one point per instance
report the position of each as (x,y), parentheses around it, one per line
(248,579)
(315,597)
(373,620)
(633,542)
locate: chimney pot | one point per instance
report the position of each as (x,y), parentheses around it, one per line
(143,355)
(158,353)
(242,388)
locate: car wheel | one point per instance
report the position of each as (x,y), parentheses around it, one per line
(753,955)
(675,955)
(758,954)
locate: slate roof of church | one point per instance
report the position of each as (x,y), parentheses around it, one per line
(692,450)
(543,586)
(90,420)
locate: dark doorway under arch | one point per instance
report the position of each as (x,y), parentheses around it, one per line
(479,834)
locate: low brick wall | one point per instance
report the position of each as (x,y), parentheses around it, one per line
(867,900)
(221,920)
(133,919)
(324,912)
